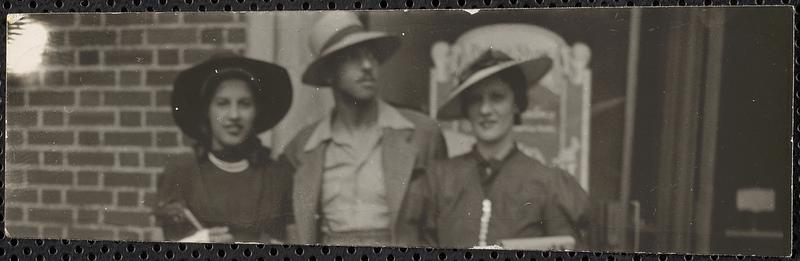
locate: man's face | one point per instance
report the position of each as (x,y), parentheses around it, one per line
(356,75)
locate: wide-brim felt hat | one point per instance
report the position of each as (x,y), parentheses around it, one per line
(338,31)
(491,62)
(270,85)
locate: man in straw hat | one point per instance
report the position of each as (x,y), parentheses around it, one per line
(494,195)
(353,166)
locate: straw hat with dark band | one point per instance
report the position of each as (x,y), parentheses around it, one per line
(193,88)
(337,31)
(492,62)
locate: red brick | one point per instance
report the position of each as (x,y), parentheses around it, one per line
(57,39)
(130,78)
(237,35)
(88,178)
(15,99)
(88,138)
(213,35)
(168,57)
(50,215)
(55,57)
(90,159)
(57,19)
(129,159)
(14,138)
(22,231)
(89,197)
(90,233)
(92,118)
(150,199)
(163,98)
(89,98)
(172,36)
(161,77)
(160,118)
(167,139)
(23,157)
(87,216)
(127,98)
(167,18)
(16,177)
(128,139)
(53,158)
(51,98)
(21,118)
(194,56)
(51,137)
(22,196)
(49,177)
(129,19)
(13,214)
(96,78)
(51,196)
(53,232)
(54,78)
(206,18)
(91,57)
(129,57)
(90,19)
(127,218)
(53,118)
(127,199)
(131,37)
(155,159)
(130,118)
(92,37)
(122,179)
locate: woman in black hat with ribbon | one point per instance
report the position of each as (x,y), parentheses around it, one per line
(230,190)
(494,195)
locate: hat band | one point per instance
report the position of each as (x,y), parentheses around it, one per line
(218,73)
(341,34)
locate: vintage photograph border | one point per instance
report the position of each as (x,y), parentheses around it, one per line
(38,249)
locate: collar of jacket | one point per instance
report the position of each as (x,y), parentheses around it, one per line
(388,117)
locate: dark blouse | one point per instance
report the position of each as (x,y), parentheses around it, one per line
(254,204)
(529,199)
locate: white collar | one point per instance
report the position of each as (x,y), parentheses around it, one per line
(230,167)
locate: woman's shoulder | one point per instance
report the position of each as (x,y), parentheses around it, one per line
(182,161)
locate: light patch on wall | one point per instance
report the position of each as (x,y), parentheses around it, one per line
(26,43)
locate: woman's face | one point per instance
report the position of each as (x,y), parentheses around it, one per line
(231,114)
(490,109)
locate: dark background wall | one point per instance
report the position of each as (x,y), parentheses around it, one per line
(753,137)
(754,147)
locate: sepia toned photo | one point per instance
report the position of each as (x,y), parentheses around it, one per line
(662,130)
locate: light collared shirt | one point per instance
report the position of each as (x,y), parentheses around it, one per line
(353,188)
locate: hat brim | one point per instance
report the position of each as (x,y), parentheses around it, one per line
(272,93)
(384,45)
(533,70)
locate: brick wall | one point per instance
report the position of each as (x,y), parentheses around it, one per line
(89,133)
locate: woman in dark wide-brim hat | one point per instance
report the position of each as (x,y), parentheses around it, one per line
(495,192)
(230,190)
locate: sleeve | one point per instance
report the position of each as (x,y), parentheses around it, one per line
(439,145)
(567,210)
(169,205)
(279,225)
(417,223)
